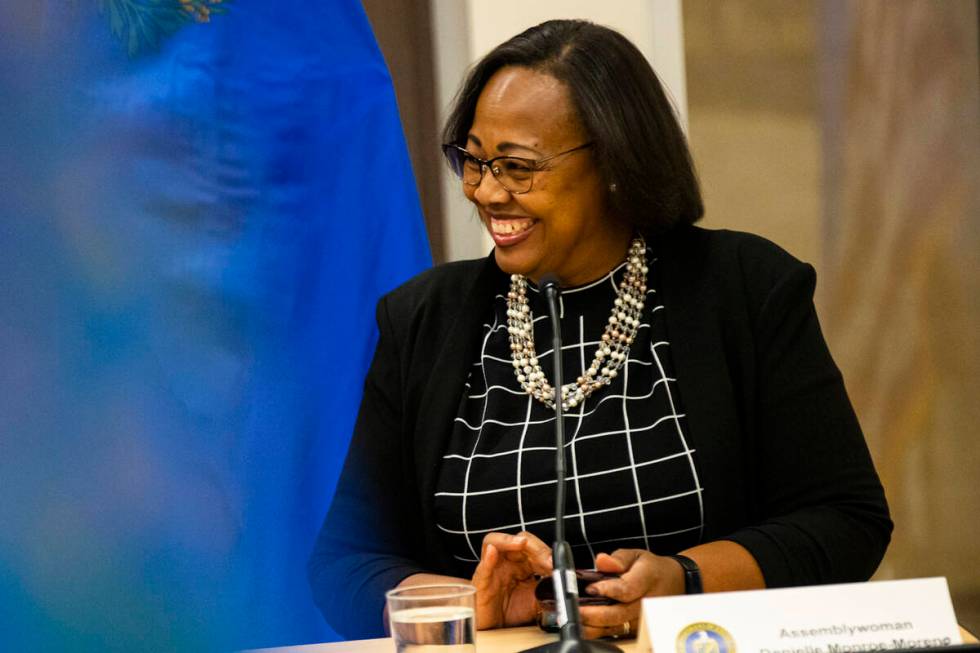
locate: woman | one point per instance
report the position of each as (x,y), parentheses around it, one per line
(707,418)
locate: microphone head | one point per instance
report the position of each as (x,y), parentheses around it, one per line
(549,282)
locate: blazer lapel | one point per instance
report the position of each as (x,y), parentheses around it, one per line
(692,301)
(440,399)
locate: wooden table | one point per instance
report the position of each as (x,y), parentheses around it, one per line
(504,640)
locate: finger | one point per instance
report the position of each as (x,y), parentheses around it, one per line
(488,611)
(634,577)
(534,542)
(484,569)
(609,616)
(608,564)
(626,557)
(484,574)
(628,587)
(505,542)
(627,629)
(538,553)
(523,548)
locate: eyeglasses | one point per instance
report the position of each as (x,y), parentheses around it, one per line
(513,172)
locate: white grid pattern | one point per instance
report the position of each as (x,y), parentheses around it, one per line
(633,480)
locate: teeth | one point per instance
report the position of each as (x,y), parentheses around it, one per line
(507,227)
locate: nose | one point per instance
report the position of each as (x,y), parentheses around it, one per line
(490,190)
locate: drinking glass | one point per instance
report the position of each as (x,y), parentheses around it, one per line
(433,618)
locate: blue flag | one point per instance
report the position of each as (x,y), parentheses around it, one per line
(201,204)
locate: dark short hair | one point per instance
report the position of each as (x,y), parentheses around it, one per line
(638,144)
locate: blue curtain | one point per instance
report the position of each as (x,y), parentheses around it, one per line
(196,221)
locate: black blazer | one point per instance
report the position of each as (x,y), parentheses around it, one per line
(782,460)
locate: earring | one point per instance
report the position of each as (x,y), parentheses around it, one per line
(612,187)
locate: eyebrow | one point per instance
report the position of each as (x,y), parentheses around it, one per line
(505,146)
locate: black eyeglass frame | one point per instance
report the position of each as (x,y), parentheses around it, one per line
(487,164)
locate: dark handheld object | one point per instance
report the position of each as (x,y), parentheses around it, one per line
(545,595)
(566,593)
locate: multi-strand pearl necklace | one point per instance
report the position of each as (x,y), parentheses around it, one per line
(613,348)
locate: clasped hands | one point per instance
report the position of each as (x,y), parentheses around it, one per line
(511,565)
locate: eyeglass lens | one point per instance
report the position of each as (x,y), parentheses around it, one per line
(513,173)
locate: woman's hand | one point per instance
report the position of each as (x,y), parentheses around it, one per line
(641,574)
(505,579)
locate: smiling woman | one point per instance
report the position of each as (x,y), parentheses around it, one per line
(713,445)
(565,225)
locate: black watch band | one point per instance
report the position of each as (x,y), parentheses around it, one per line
(692,575)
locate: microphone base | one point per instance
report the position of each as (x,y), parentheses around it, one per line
(575,646)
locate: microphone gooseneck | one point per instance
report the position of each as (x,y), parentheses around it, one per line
(552,294)
(563,574)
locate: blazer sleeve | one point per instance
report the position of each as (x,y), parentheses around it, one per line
(367,543)
(823,514)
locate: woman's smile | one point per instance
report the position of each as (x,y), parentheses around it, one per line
(507,230)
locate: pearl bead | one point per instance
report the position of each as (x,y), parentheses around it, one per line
(624,319)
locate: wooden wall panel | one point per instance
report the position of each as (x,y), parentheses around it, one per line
(404,33)
(900,294)
(754,117)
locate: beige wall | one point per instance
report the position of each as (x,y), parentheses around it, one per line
(754,129)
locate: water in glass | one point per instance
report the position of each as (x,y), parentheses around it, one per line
(434,629)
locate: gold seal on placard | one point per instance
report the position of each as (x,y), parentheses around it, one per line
(705,637)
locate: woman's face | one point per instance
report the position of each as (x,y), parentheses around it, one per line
(560,225)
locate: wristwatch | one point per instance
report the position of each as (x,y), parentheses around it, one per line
(692,574)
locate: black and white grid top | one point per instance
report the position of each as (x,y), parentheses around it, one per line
(632,478)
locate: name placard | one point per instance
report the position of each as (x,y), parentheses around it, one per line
(874,616)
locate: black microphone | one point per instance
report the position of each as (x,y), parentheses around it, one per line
(563,573)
